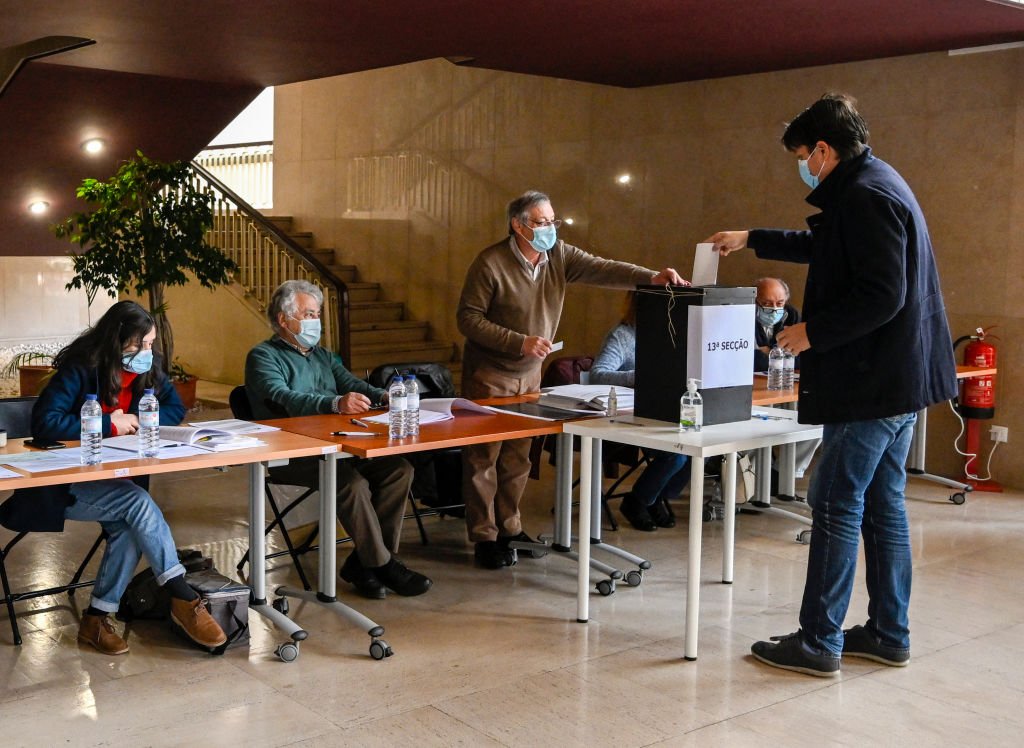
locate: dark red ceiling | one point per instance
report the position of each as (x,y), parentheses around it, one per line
(167,76)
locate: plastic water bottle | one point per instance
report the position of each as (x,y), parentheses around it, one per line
(613,403)
(92,430)
(691,408)
(149,425)
(412,405)
(397,405)
(776,365)
(788,370)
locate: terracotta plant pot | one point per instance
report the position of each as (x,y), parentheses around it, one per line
(187,391)
(32,378)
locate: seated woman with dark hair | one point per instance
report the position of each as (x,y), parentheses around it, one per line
(114,360)
(667,474)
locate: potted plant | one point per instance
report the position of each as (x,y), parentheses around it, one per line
(33,368)
(184,382)
(146,231)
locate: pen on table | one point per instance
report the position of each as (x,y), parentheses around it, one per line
(357,422)
(353,433)
(769,418)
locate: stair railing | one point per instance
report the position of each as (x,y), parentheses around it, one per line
(266,257)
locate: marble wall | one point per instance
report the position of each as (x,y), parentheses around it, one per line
(406,171)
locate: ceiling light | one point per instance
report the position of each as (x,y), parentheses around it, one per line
(569,221)
(93,145)
(38,207)
(623,179)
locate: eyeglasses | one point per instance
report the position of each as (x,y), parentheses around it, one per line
(772,304)
(310,314)
(554,223)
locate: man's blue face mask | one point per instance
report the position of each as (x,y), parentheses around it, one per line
(544,238)
(811,180)
(309,332)
(769,316)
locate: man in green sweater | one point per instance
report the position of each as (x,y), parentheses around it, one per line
(290,375)
(509,310)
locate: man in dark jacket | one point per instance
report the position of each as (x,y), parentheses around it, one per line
(875,349)
(774,312)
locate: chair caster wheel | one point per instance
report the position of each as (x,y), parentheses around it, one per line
(379,649)
(287,652)
(606,587)
(958,498)
(634,578)
(803,537)
(281,605)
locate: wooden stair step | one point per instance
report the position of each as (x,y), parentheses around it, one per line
(282,222)
(303,238)
(391,331)
(346,273)
(360,292)
(372,356)
(375,311)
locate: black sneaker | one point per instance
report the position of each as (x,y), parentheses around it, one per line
(491,555)
(860,642)
(790,653)
(637,515)
(363,579)
(399,578)
(522,537)
(661,514)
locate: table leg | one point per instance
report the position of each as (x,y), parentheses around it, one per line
(328,554)
(693,557)
(729,520)
(583,565)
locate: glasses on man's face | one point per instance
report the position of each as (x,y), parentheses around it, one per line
(771,304)
(554,223)
(308,314)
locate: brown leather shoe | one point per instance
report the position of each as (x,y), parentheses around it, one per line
(98,632)
(197,623)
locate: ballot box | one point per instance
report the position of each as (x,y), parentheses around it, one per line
(703,332)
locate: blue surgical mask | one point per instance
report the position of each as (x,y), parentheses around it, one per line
(138,363)
(811,180)
(770,316)
(309,332)
(544,238)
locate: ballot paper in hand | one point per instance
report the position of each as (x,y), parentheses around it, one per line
(705,265)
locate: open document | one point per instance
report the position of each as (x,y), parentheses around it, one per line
(202,437)
(585,398)
(437,409)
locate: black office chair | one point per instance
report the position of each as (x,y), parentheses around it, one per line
(438,473)
(16,419)
(238,400)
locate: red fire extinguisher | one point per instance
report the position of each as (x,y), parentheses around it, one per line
(978,394)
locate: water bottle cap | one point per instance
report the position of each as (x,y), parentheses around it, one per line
(410,376)
(91,397)
(148,391)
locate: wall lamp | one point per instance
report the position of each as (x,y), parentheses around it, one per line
(38,207)
(93,146)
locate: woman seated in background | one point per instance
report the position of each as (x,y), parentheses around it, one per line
(114,360)
(645,506)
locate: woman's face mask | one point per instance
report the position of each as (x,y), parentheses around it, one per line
(138,362)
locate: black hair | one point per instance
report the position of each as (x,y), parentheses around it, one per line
(834,119)
(101,347)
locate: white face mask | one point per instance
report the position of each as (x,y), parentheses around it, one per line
(309,332)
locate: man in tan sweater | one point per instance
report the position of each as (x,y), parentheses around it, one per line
(509,310)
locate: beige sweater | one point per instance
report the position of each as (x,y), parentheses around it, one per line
(501,304)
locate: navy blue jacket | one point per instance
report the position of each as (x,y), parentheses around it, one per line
(56,416)
(880,343)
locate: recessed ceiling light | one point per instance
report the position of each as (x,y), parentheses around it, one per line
(570,221)
(38,207)
(623,179)
(93,145)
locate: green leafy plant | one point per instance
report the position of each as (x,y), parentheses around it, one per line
(26,358)
(146,231)
(179,372)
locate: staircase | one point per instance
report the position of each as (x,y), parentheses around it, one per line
(379,331)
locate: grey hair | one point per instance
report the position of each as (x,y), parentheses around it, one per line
(520,207)
(785,286)
(283,299)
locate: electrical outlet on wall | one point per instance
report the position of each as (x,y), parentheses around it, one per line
(999,433)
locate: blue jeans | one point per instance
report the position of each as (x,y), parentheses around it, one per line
(135,527)
(857,489)
(665,476)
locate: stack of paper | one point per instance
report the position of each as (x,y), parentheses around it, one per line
(205,438)
(436,409)
(586,398)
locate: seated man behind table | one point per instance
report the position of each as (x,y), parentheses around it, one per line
(774,312)
(667,474)
(290,375)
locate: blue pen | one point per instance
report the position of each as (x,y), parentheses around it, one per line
(769,418)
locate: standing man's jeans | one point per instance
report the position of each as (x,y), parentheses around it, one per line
(135,527)
(857,489)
